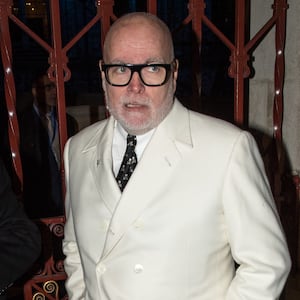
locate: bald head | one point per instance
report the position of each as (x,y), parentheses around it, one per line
(137,22)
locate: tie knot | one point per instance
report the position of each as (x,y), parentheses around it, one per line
(131,140)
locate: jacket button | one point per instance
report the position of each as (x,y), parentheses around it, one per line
(105,225)
(138,268)
(102,269)
(138,224)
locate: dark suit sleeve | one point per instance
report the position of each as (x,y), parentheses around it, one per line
(72,126)
(20,240)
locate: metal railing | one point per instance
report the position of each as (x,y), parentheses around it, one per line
(45,284)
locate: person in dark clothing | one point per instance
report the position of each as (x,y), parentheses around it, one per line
(20,240)
(40,151)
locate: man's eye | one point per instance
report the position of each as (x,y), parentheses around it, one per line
(122,69)
(153,68)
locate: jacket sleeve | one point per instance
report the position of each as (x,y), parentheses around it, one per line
(75,285)
(20,240)
(255,234)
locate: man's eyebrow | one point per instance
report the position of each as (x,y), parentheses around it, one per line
(117,62)
(155,61)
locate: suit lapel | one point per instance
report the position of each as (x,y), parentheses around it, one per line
(166,149)
(101,167)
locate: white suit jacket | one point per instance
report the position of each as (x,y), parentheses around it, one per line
(197,201)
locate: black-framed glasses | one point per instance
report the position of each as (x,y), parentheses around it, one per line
(150,74)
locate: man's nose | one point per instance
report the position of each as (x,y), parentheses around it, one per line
(136,85)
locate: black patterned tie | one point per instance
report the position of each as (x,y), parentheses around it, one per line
(128,164)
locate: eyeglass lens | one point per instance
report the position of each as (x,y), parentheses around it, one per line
(149,74)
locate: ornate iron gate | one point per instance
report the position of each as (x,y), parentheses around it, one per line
(47,283)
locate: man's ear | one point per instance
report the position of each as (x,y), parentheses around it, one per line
(176,67)
(175,72)
(103,80)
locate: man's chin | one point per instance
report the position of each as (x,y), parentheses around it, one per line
(136,128)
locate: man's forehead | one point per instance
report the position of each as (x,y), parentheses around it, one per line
(137,41)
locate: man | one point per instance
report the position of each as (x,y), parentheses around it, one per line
(20,240)
(40,151)
(197,204)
